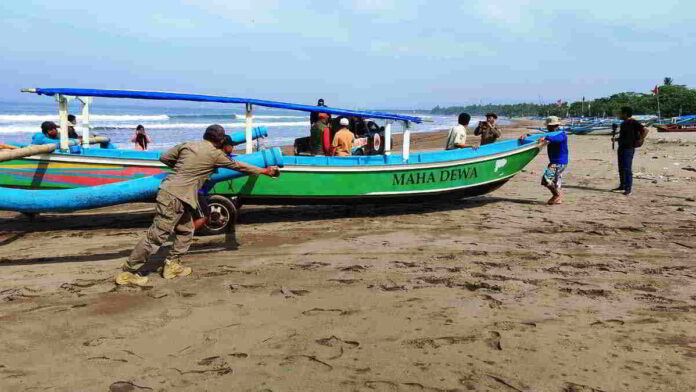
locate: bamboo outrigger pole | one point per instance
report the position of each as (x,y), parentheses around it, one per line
(36,149)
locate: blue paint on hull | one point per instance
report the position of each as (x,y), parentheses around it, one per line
(33,201)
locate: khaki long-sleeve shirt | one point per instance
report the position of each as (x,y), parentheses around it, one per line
(193,163)
(489,134)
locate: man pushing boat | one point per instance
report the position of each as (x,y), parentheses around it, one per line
(177,202)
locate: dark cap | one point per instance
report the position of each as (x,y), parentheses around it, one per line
(47,126)
(227,141)
(214,133)
(491,115)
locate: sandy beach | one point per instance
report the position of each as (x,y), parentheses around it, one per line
(495,293)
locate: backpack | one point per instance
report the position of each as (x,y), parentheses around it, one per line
(640,137)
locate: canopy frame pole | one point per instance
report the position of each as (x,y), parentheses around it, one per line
(63,116)
(406,145)
(84,123)
(247,130)
(387,137)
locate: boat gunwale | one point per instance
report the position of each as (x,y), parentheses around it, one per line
(67,158)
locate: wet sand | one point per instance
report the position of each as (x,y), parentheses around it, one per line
(494,293)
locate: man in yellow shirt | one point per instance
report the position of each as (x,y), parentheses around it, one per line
(343,140)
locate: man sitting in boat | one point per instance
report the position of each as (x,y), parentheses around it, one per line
(320,138)
(342,144)
(456,138)
(72,134)
(177,201)
(49,135)
(72,123)
(488,131)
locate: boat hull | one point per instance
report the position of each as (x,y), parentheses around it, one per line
(400,183)
(305,180)
(676,128)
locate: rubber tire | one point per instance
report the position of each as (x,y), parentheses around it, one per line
(228,209)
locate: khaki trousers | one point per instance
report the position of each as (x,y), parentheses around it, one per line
(172,215)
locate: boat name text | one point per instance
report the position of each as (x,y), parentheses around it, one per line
(429,177)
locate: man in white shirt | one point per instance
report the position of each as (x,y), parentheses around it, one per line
(456,138)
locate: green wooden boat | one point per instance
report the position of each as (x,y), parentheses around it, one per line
(382,177)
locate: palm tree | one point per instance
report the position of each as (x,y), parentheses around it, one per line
(668,81)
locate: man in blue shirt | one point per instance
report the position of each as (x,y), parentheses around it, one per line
(49,135)
(558,160)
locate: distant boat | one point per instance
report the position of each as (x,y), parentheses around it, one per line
(676,127)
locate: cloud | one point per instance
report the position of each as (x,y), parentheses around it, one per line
(246,12)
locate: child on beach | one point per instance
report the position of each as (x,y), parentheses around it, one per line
(558,160)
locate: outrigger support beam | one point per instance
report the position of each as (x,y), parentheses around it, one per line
(387,138)
(84,123)
(249,119)
(63,116)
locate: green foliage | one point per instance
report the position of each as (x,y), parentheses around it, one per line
(674,99)
(668,81)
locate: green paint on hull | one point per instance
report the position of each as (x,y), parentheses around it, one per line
(304,182)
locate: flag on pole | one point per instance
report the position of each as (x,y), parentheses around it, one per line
(656,90)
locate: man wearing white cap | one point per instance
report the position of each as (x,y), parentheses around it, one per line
(342,145)
(558,160)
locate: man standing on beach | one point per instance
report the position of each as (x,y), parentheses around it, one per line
(456,138)
(631,135)
(488,131)
(177,201)
(558,160)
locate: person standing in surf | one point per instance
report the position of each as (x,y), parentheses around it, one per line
(141,139)
(177,201)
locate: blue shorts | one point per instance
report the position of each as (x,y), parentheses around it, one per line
(553,175)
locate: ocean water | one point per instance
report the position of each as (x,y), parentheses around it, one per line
(170,123)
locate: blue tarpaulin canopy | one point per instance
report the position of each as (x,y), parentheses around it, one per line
(161,95)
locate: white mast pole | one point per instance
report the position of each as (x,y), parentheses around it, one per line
(84,123)
(249,141)
(63,116)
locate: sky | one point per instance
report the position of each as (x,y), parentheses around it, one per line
(356,54)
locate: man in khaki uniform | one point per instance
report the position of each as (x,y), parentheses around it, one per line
(342,144)
(488,131)
(177,201)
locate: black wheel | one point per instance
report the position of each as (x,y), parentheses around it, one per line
(221,214)
(30,215)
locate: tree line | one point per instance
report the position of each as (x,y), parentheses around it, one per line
(674,99)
